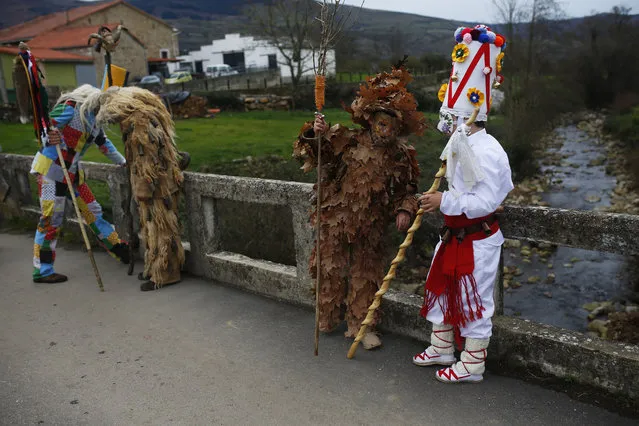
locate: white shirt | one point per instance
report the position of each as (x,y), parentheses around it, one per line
(485,196)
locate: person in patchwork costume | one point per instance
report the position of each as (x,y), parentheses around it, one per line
(74,128)
(459,288)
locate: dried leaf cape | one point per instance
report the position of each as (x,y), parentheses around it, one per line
(369,175)
(149,136)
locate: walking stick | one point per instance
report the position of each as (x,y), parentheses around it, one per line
(318,283)
(80,220)
(400,257)
(131,230)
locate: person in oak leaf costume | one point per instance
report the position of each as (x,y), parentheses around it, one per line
(369,178)
(459,288)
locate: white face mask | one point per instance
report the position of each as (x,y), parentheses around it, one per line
(446,122)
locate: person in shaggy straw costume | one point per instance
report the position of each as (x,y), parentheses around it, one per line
(156,177)
(369,178)
(459,288)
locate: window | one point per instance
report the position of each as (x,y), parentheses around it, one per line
(164,53)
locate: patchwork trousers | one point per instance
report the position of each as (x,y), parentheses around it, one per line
(53,197)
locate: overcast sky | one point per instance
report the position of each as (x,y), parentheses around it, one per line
(483,10)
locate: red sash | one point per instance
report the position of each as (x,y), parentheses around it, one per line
(451,274)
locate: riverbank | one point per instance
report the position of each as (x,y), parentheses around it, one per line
(582,168)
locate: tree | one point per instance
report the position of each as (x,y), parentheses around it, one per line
(287,25)
(509,12)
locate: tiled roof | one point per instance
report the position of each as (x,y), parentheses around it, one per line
(66,38)
(46,23)
(29,29)
(49,55)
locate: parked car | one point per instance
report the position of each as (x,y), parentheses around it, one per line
(179,77)
(220,70)
(151,82)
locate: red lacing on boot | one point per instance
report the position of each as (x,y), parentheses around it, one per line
(450,342)
(479,360)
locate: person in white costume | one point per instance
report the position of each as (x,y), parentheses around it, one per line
(459,289)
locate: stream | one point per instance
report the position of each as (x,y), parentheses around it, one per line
(550,285)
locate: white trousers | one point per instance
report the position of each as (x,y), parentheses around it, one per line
(486,253)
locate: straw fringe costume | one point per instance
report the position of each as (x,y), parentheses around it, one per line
(156,177)
(367,179)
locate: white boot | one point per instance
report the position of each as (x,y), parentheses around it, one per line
(471,367)
(441,350)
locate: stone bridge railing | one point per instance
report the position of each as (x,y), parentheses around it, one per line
(517,345)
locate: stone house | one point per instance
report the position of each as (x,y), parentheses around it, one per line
(149,45)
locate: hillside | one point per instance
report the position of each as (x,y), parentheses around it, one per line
(200,21)
(374,34)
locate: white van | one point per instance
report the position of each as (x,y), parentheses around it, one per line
(219,70)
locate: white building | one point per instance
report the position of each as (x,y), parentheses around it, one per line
(246,54)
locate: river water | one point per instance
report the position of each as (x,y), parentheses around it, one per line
(578,181)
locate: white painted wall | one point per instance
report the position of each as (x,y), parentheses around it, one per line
(255,55)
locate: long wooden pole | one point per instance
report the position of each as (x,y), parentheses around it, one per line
(80,220)
(318,258)
(401,254)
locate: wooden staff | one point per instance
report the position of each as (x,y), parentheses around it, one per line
(396,261)
(400,257)
(80,220)
(319,103)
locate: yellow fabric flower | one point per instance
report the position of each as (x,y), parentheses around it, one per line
(442,92)
(460,52)
(500,61)
(475,96)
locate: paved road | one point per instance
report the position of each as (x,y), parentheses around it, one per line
(200,353)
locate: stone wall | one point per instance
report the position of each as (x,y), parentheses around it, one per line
(267,102)
(537,350)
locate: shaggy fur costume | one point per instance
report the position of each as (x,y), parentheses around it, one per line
(148,133)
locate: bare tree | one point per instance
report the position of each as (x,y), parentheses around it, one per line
(538,12)
(287,25)
(509,12)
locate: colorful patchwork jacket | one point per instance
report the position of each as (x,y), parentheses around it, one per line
(76,139)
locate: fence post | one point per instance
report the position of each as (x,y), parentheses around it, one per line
(206,84)
(265,86)
(228,84)
(248,83)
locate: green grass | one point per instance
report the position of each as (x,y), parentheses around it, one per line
(216,145)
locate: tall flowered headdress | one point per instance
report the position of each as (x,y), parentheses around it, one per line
(477,63)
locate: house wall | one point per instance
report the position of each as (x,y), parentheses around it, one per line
(7,70)
(61,74)
(129,54)
(152,33)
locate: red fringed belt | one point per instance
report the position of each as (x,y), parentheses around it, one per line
(451,273)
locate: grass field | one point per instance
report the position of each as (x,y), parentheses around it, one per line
(222,145)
